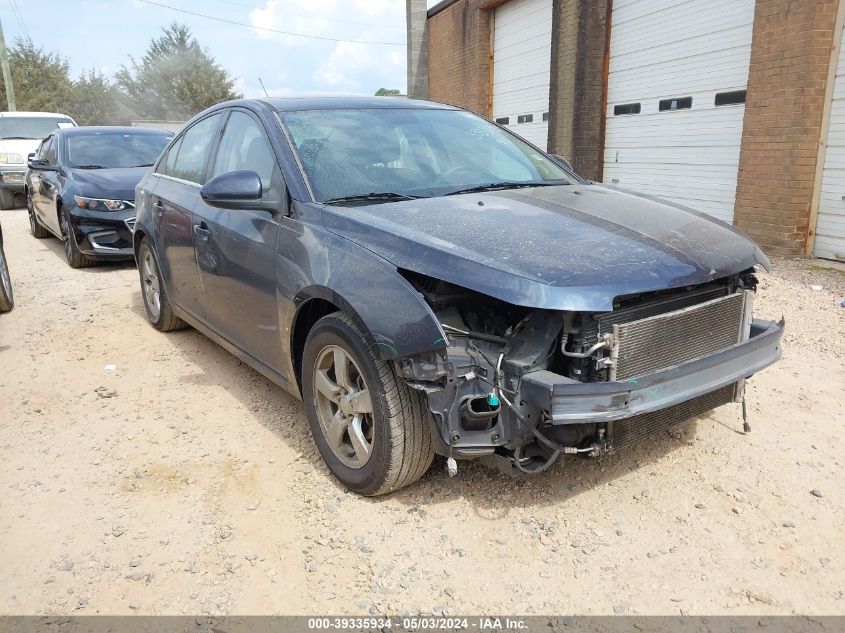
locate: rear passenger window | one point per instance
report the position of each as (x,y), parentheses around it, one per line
(244,146)
(193,150)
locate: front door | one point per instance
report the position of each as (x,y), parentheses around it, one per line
(173,198)
(44,192)
(236,249)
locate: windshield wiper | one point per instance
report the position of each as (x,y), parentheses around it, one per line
(144,165)
(496,186)
(89,167)
(18,138)
(384,196)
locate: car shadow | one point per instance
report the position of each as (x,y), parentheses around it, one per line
(54,245)
(477,483)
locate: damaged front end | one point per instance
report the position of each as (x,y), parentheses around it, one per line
(528,385)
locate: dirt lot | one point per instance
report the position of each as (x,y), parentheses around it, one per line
(152,473)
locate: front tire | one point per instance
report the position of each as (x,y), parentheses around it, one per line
(7,300)
(370,428)
(75,258)
(7,199)
(156,304)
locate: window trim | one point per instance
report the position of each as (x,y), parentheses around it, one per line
(636,107)
(686,101)
(729,94)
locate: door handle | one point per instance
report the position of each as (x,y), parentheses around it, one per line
(202,231)
(158,206)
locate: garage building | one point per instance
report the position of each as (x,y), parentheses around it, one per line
(733,107)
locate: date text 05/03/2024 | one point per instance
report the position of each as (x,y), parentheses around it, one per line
(418,623)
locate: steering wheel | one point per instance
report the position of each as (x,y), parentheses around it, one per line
(444,178)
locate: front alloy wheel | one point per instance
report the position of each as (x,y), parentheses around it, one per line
(75,258)
(343,405)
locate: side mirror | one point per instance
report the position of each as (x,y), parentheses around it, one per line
(34,163)
(563,161)
(233,190)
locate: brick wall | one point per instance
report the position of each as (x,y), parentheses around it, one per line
(576,115)
(790,54)
(459,56)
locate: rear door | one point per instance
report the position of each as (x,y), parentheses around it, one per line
(180,175)
(236,248)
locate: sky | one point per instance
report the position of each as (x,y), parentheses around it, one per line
(104,34)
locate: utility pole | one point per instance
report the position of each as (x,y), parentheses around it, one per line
(7,72)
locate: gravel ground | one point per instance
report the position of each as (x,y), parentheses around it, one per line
(152,473)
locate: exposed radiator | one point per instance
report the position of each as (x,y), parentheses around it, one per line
(669,339)
(629,430)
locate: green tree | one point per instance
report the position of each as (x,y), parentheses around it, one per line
(174,79)
(41,80)
(387,92)
(95,100)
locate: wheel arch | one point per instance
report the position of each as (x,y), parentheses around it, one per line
(394,320)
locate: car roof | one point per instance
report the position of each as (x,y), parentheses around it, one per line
(344,102)
(34,114)
(110,129)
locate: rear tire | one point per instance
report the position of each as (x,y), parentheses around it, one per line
(7,300)
(373,445)
(156,304)
(7,199)
(75,259)
(38,231)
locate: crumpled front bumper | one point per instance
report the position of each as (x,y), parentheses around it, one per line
(571,402)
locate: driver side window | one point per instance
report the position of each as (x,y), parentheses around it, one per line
(244,146)
(48,150)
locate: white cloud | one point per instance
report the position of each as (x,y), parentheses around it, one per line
(307,17)
(379,7)
(354,66)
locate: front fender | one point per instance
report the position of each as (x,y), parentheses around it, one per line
(313,263)
(393,316)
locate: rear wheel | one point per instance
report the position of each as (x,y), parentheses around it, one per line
(157,305)
(35,227)
(7,300)
(7,199)
(369,426)
(74,258)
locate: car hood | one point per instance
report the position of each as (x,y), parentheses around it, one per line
(574,247)
(22,146)
(118,184)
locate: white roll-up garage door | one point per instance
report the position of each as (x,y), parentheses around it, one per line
(676,100)
(830,225)
(522,55)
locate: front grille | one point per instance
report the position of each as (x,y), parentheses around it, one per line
(673,338)
(130,224)
(625,432)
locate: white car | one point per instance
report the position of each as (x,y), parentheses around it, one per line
(20,134)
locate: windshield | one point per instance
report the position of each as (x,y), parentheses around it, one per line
(112,150)
(411,152)
(31,126)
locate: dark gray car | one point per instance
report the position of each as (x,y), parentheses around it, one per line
(429,283)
